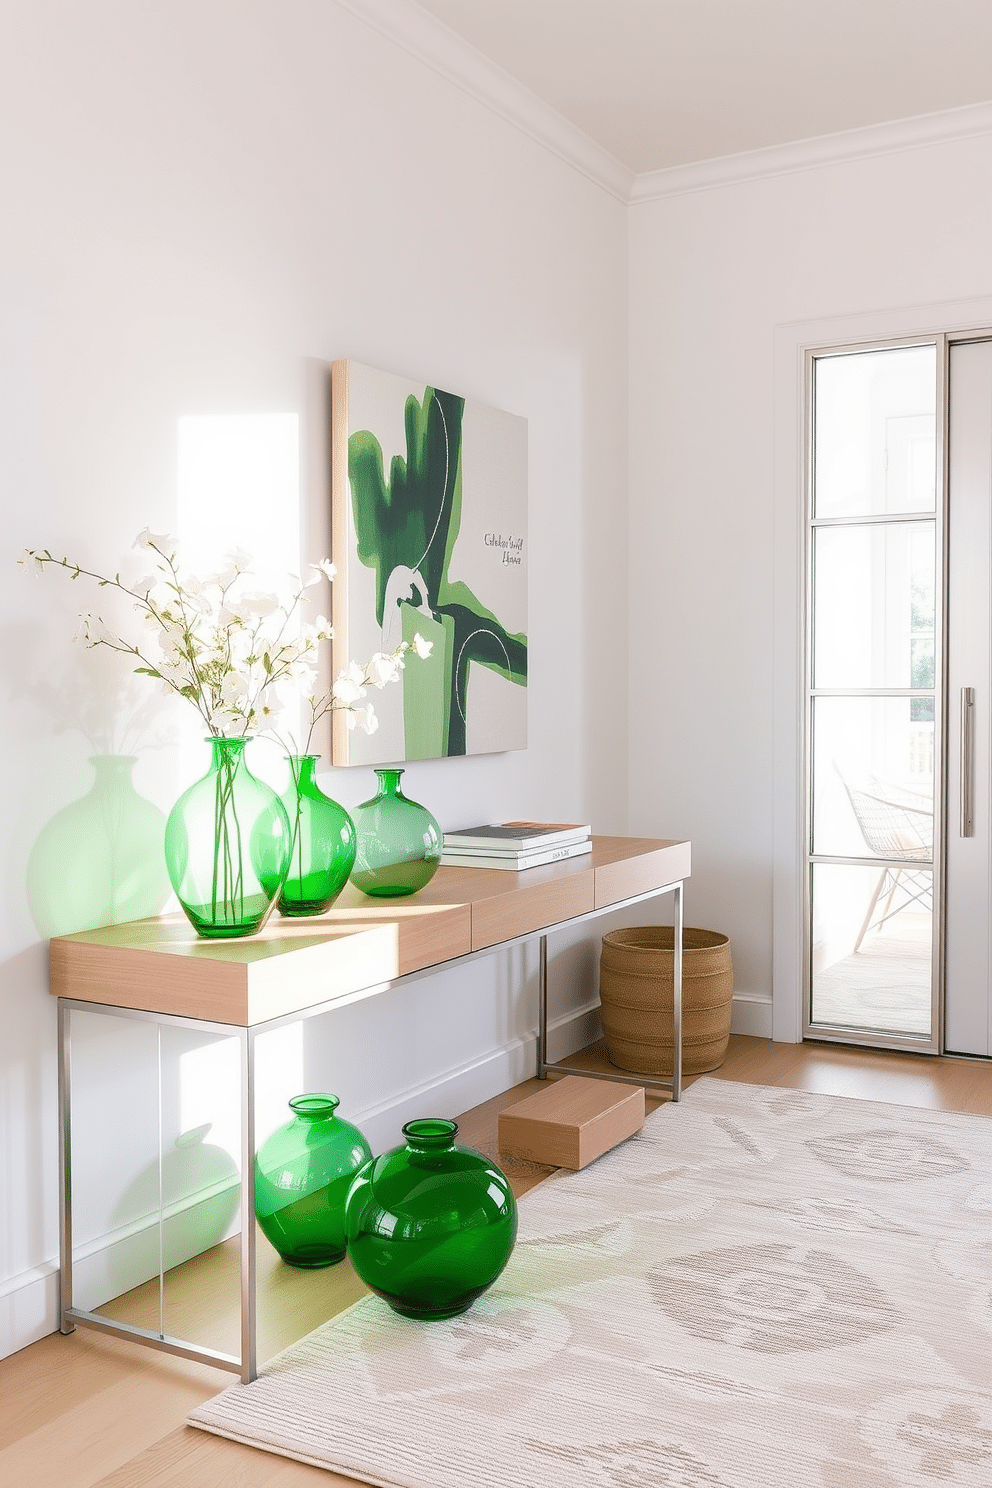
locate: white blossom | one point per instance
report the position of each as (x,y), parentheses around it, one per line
(348,688)
(146,586)
(383,669)
(423,648)
(258,606)
(161,542)
(97,633)
(198,602)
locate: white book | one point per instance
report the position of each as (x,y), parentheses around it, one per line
(515,836)
(515,862)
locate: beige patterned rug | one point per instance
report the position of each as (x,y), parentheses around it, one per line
(764,1289)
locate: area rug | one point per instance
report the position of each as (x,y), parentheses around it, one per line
(764,1289)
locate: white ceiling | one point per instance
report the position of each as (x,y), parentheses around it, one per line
(666,82)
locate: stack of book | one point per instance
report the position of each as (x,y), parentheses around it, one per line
(515,845)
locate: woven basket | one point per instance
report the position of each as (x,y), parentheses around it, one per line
(636,972)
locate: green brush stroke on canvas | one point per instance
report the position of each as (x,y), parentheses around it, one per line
(406,528)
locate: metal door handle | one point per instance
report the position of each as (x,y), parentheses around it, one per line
(967,761)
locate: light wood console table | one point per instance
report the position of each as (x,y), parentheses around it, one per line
(159,971)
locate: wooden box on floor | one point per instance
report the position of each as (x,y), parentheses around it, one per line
(571,1121)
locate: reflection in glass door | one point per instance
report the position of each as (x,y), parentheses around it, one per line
(873,690)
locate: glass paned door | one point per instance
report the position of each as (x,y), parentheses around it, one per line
(873,714)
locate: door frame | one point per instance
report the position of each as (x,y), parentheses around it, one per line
(793,344)
(933,1043)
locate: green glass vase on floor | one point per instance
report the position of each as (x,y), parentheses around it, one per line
(323,839)
(430,1225)
(399,842)
(303,1173)
(227,845)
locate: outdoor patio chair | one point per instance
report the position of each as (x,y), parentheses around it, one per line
(897,824)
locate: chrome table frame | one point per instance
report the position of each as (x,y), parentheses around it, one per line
(245,1364)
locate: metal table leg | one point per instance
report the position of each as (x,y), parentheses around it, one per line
(248,1318)
(66,1325)
(621,1077)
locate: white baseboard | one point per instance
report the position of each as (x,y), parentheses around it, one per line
(114,1263)
(471,1084)
(29,1307)
(752,1015)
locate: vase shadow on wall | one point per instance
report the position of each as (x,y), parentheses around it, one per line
(200,1194)
(100,860)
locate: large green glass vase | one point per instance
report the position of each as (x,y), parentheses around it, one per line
(227,846)
(323,843)
(399,842)
(302,1176)
(430,1225)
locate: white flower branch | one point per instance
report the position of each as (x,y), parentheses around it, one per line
(228,650)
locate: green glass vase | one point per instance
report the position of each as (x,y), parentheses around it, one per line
(302,1176)
(399,842)
(323,838)
(227,846)
(430,1225)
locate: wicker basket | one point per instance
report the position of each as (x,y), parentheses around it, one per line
(635,988)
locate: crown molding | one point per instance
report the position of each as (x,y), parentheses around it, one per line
(437,46)
(423,36)
(824,150)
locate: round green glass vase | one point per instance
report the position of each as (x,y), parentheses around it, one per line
(430,1225)
(399,842)
(227,846)
(323,843)
(303,1173)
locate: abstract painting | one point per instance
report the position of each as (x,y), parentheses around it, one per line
(429,519)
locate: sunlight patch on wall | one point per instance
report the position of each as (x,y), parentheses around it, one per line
(239,486)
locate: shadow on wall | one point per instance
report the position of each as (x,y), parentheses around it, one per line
(100,860)
(196,1207)
(200,1193)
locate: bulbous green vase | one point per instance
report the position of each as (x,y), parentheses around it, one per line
(227,846)
(303,1173)
(430,1225)
(399,842)
(323,842)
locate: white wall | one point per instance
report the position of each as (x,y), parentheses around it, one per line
(727,284)
(200,199)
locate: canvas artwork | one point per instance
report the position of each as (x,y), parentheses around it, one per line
(429,517)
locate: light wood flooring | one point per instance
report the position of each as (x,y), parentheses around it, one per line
(89,1410)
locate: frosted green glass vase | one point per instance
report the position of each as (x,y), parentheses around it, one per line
(227,846)
(323,843)
(399,842)
(430,1225)
(302,1176)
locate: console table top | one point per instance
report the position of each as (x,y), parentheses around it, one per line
(160,965)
